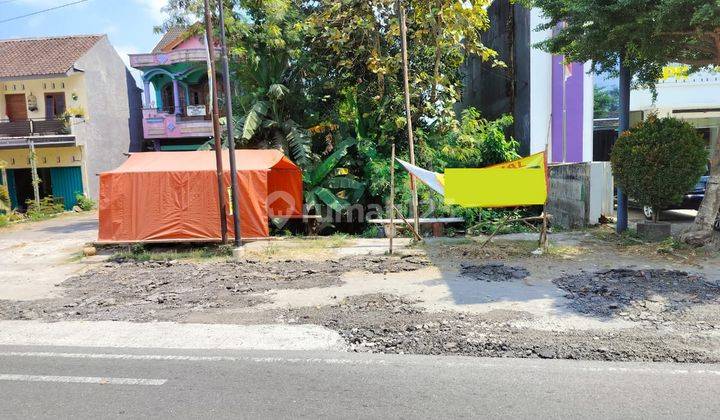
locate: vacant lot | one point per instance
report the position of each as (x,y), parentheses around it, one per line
(592,296)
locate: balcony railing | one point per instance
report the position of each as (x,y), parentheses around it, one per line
(177,56)
(33,127)
(164,123)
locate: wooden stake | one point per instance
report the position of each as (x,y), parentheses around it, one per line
(543,233)
(408,112)
(409,225)
(392,196)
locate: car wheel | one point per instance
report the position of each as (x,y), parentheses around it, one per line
(648,212)
(716,225)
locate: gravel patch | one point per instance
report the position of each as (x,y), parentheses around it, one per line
(382,323)
(654,296)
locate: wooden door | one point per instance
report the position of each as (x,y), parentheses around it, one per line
(54,105)
(16,107)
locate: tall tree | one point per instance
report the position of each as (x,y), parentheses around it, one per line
(690,30)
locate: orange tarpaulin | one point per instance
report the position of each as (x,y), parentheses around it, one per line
(158,196)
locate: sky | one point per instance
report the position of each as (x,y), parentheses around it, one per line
(128,23)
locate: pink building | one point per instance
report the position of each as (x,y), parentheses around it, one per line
(176,111)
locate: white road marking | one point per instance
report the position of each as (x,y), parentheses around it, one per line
(82,380)
(352,362)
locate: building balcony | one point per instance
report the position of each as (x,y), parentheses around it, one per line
(139,61)
(41,132)
(191,121)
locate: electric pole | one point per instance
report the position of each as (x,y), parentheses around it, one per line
(230,127)
(212,81)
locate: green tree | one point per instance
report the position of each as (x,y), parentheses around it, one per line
(607,102)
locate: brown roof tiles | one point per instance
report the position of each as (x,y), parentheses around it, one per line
(43,56)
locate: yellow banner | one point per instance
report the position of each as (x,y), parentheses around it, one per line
(495,187)
(533,161)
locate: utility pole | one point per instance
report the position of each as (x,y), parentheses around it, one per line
(408,113)
(216,122)
(624,125)
(230,127)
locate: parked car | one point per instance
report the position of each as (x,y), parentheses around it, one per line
(691,200)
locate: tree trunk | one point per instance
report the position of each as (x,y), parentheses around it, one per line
(702,231)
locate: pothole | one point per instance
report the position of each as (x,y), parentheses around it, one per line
(493,272)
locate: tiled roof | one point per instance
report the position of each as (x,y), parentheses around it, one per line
(170,36)
(43,56)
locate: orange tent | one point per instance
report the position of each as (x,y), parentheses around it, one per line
(171,196)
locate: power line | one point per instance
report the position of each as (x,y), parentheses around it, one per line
(7,1)
(40,11)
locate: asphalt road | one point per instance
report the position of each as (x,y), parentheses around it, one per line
(52,382)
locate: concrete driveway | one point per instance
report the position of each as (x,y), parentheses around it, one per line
(36,256)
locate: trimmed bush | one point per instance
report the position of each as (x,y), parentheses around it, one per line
(659,161)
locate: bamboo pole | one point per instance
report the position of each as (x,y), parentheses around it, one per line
(408,111)
(212,82)
(392,196)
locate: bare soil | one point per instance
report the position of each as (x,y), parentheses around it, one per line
(587,299)
(170,290)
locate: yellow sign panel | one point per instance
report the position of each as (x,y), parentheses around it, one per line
(496,187)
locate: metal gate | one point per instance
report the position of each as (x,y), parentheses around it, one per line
(66,184)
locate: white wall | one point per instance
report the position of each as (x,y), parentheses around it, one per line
(588,113)
(540,87)
(700,90)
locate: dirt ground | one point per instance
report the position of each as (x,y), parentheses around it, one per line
(591,296)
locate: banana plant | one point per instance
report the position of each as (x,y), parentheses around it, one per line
(4,200)
(325,185)
(265,117)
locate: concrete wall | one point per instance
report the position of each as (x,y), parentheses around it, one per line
(580,193)
(114,104)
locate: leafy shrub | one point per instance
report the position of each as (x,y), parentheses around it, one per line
(5,205)
(49,206)
(658,161)
(84,202)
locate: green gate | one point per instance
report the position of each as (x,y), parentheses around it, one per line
(67,183)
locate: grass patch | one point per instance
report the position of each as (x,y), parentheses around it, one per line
(139,253)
